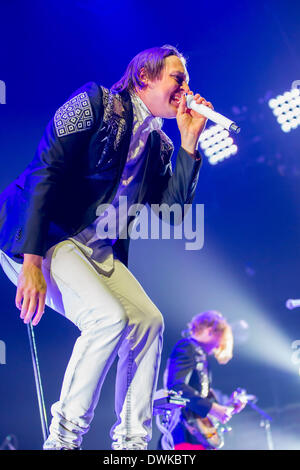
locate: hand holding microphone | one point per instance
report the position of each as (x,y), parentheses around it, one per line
(190,123)
(211,114)
(192,114)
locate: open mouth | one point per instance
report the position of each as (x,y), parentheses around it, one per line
(176,98)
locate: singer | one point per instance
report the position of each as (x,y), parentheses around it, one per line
(188,372)
(100,145)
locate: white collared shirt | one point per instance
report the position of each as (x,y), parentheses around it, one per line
(143,124)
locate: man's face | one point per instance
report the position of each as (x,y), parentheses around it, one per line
(162,95)
(209,337)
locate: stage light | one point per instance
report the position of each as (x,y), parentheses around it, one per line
(267,342)
(286,108)
(216,144)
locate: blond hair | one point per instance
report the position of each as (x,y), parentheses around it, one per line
(211,318)
(215,320)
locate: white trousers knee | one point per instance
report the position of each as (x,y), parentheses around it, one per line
(115,316)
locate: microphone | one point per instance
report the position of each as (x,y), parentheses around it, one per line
(212,115)
(292,303)
(251,398)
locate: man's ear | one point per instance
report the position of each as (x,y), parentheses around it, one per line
(143,77)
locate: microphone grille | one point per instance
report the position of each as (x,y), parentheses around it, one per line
(189,99)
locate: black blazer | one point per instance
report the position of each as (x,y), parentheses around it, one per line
(78,165)
(183,374)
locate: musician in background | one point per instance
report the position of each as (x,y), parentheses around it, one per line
(188,372)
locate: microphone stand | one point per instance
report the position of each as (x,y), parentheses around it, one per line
(38,382)
(10,442)
(265,422)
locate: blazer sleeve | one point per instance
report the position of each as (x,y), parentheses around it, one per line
(175,187)
(179,186)
(181,365)
(65,139)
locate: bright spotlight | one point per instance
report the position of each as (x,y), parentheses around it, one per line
(216,144)
(286,108)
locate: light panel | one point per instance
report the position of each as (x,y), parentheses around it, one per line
(286,108)
(216,144)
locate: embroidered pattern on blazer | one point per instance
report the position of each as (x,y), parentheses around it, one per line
(75,115)
(114,117)
(113,126)
(166,148)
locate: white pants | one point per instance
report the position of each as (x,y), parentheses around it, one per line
(115,316)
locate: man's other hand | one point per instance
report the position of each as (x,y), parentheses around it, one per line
(31,289)
(222,413)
